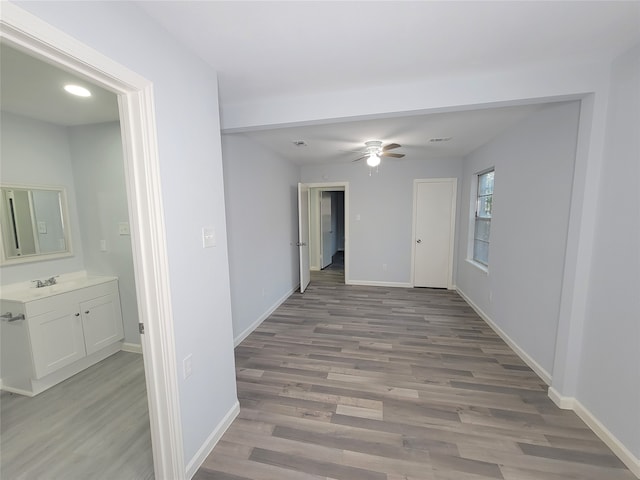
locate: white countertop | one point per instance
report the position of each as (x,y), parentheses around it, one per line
(27,291)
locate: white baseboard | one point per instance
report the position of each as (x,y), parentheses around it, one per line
(617,447)
(262,318)
(132,347)
(524,356)
(369,283)
(19,391)
(565,403)
(202,453)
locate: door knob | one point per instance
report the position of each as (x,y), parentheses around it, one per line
(419,241)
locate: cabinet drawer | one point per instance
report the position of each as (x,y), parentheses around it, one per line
(70,300)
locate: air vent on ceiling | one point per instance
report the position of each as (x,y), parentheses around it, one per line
(440,139)
(299,143)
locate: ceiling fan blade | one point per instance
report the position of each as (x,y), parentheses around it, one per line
(391,146)
(358,159)
(394,155)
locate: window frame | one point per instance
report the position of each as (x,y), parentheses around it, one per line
(475,202)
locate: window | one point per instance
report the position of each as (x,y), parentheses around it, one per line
(482,224)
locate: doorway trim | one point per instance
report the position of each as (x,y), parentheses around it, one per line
(28,33)
(342,186)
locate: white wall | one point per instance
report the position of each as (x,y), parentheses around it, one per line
(524,84)
(315,232)
(262,228)
(37,153)
(186,106)
(88,162)
(534,163)
(609,379)
(383,202)
(339,219)
(98,169)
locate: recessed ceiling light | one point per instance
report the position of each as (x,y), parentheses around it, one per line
(77,90)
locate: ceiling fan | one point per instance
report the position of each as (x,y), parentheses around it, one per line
(374,151)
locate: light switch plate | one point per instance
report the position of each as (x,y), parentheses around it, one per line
(208,237)
(123,228)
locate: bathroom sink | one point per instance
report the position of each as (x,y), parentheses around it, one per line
(27,291)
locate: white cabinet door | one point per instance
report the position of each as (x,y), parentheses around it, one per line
(56,340)
(102,322)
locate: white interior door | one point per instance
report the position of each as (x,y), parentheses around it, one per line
(327,232)
(303,235)
(434,221)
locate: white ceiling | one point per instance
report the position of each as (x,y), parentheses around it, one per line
(33,88)
(271,48)
(274,48)
(268,49)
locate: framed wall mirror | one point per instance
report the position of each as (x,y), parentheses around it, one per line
(35,223)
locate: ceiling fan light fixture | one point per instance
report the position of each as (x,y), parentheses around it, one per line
(373,160)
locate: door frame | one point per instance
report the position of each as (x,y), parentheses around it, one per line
(339,186)
(28,33)
(323,260)
(454,197)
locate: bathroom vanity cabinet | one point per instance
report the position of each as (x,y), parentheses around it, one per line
(66,328)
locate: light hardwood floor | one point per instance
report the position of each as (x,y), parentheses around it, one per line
(351,382)
(95,425)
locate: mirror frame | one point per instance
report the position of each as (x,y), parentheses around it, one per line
(37,257)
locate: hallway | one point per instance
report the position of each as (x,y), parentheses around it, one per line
(351,382)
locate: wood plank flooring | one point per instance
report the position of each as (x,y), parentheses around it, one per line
(371,383)
(94,425)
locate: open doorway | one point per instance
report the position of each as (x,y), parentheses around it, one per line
(52,138)
(136,107)
(325,220)
(326,228)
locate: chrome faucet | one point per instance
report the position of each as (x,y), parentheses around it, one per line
(48,282)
